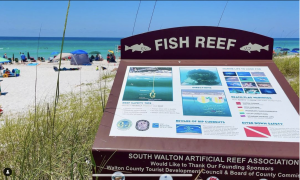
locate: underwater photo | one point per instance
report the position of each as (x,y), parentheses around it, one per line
(229,73)
(243,73)
(204,103)
(258,74)
(248,84)
(251,91)
(231,79)
(246,79)
(233,84)
(261,79)
(187,129)
(236,90)
(267,91)
(199,76)
(264,85)
(149,84)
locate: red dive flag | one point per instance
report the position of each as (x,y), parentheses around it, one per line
(256,131)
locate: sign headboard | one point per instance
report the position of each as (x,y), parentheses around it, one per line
(197,42)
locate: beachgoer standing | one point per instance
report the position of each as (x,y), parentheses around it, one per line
(23,57)
(100,57)
(4,56)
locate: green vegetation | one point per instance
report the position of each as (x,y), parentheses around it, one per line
(26,142)
(289,67)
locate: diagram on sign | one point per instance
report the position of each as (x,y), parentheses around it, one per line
(203,76)
(204,103)
(149,84)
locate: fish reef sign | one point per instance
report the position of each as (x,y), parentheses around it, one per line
(204,103)
(197,43)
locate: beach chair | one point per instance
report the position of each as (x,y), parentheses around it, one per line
(32,59)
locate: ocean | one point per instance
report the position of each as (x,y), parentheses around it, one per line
(47,45)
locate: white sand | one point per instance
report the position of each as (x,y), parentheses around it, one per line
(21,90)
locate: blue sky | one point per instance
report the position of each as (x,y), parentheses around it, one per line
(277,19)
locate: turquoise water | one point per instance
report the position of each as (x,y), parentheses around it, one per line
(47,45)
(289,43)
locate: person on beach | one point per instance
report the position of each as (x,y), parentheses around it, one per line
(108,57)
(5,56)
(23,58)
(97,68)
(100,57)
(1,67)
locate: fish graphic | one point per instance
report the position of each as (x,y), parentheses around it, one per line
(138,47)
(254,47)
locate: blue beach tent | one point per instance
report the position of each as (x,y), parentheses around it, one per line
(79,57)
(79,52)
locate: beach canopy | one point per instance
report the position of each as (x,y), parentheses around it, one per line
(79,52)
(2,60)
(295,49)
(80,59)
(54,53)
(285,49)
(95,52)
(63,55)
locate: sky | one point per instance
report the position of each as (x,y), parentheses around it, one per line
(276,19)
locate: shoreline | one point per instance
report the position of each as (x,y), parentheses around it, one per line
(20,91)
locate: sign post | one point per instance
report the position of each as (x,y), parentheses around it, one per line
(199,103)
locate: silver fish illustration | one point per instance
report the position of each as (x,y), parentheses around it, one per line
(254,47)
(138,47)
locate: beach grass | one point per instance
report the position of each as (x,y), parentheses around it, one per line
(27,143)
(289,67)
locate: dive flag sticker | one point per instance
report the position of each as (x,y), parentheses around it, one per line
(256,131)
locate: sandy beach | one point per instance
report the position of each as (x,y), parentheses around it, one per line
(19,92)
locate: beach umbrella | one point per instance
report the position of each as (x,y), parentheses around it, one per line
(2,60)
(111,51)
(28,57)
(285,49)
(54,53)
(63,55)
(278,47)
(295,49)
(79,52)
(95,52)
